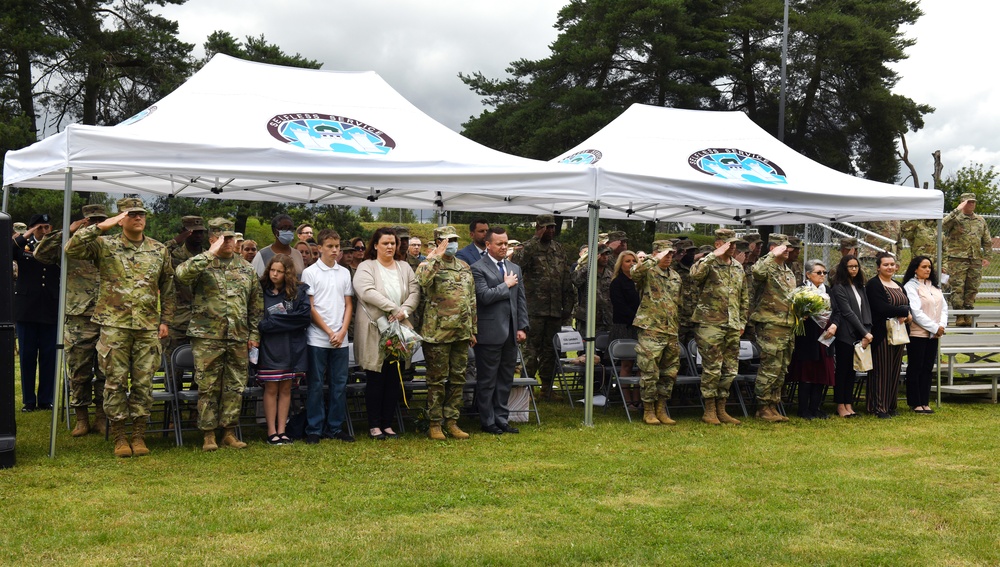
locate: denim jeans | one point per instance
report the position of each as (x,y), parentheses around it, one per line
(327,366)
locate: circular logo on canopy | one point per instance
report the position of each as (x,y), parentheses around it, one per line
(326,133)
(737,165)
(585,157)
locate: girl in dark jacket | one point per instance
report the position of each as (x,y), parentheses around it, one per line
(283,355)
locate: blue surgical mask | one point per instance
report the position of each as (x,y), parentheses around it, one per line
(451,249)
(285,236)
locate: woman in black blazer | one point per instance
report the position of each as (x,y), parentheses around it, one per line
(888,301)
(854,323)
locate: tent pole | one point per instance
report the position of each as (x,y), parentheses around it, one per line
(588,384)
(940,232)
(61,317)
(6,191)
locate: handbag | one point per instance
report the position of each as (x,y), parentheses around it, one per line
(862,358)
(896,332)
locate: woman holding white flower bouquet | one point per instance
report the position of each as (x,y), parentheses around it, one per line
(888,301)
(812,360)
(854,318)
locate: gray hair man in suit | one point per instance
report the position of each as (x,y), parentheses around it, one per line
(503,322)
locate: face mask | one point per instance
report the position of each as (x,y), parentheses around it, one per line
(285,237)
(451,249)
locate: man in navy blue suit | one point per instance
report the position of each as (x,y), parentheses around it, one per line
(477,249)
(503,322)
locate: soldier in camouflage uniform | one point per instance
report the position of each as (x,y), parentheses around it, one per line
(135,302)
(658,351)
(683,260)
(773,318)
(549,290)
(228,304)
(968,247)
(723,300)
(79,332)
(794,244)
(922,235)
(449,329)
(605,269)
(888,229)
(186,245)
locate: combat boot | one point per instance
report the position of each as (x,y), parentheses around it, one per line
(209,444)
(435,432)
(649,414)
(710,417)
(100,421)
(774,410)
(122,448)
(661,412)
(139,448)
(720,412)
(767,414)
(454,431)
(82,423)
(229,439)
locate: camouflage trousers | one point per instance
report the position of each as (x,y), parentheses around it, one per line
(658,357)
(446,364)
(965,275)
(539,358)
(86,380)
(220,369)
(776,343)
(128,358)
(719,348)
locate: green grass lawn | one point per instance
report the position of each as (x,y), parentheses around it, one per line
(915,490)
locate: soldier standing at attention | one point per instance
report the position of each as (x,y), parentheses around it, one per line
(581,275)
(658,352)
(723,300)
(449,329)
(135,302)
(550,295)
(228,304)
(186,245)
(922,235)
(967,248)
(773,318)
(79,332)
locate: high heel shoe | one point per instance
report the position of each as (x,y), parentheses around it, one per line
(380,435)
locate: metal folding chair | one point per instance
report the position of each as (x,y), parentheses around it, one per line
(569,373)
(619,350)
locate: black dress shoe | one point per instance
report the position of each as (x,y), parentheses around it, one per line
(312,439)
(883,415)
(27,409)
(492,429)
(507,428)
(344,436)
(45,407)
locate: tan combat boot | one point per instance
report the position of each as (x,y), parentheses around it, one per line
(774,410)
(720,412)
(661,412)
(767,414)
(209,444)
(435,432)
(649,414)
(82,423)
(454,431)
(139,448)
(710,416)
(229,439)
(122,448)
(100,421)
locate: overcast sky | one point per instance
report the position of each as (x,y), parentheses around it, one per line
(420,46)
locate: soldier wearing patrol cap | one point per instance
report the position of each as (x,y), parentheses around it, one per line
(722,235)
(79,332)
(658,350)
(773,318)
(683,260)
(549,291)
(135,302)
(618,243)
(228,303)
(188,243)
(968,248)
(794,249)
(449,329)
(581,275)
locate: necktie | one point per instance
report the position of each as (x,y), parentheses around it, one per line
(482,253)
(500,266)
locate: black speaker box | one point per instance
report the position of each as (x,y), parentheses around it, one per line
(8,428)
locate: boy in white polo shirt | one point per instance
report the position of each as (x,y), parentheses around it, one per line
(329,288)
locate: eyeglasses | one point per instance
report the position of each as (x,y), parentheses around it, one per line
(820,272)
(359,248)
(137,214)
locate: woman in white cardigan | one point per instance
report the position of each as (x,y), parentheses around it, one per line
(930,320)
(382,286)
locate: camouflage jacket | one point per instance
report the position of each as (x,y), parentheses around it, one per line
(137,282)
(228,300)
(723,297)
(580,277)
(888,229)
(966,236)
(448,294)
(83,282)
(660,290)
(179,254)
(922,235)
(775,282)
(547,284)
(689,294)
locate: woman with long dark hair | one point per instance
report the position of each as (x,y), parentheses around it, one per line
(854,325)
(930,320)
(888,301)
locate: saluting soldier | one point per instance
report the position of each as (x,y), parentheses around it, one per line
(135,302)
(80,333)
(683,260)
(188,243)
(228,303)
(773,318)
(794,244)
(658,352)
(968,247)
(449,329)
